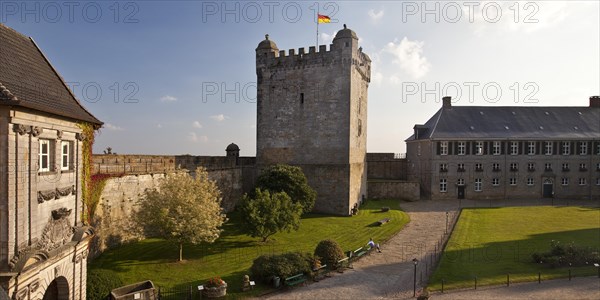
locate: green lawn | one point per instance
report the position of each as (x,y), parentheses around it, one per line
(491,242)
(232,254)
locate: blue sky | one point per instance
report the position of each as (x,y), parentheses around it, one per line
(178,77)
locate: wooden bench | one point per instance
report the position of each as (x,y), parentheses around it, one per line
(296,279)
(342,264)
(383,221)
(359,252)
(320,272)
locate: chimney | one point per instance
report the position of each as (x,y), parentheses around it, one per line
(447,102)
(595,101)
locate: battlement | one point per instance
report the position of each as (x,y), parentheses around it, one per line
(301,58)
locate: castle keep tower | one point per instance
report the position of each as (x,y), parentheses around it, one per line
(312,113)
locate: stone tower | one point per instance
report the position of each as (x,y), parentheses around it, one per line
(312,113)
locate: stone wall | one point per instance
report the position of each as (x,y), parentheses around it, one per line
(395,189)
(386,166)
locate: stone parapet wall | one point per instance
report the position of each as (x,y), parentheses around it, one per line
(395,189)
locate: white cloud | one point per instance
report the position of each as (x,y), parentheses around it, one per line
(375,16)
(113,127)
(194,138)
(326,38)
(197,124)
(219,118)
(168,98)
(409,56)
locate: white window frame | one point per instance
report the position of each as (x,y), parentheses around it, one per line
(530,181)
(514,167)
(443,185)
(566,148)
(65,158)
(598,167)
(531,148)
(548,146)
(514,148)
(547,166)
(478,148)
(565,167)
(460,167)
(530,166)
(462,148)
(479,167)
(461,181)
(443,167)
(43,155)
(564,181)
(583,148)
(598,181)
(495,181)
(478,185)
(598,149)
(496,148)
(444,148)
(512,181)
(582,181)
(495,167)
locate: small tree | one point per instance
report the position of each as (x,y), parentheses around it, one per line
(183,209)
(291,180)
(267,214)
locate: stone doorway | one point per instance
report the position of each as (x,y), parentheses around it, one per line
(58,289)
(548,188)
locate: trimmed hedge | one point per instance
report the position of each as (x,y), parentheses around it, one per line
(329,252)
(283,265)
(100,282)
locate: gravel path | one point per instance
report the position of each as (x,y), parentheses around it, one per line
(390,274)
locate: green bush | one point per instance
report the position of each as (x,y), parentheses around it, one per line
(330,252)
(567,255)
(100,282)
(283,265)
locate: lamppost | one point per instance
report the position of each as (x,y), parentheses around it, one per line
(415,262)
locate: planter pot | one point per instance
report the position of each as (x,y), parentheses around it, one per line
(215,292)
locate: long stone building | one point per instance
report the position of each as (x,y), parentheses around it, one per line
(312,113)
(43,243)
(481,152)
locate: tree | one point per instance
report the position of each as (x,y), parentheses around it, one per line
(268,213)
(291,180)
(183,209)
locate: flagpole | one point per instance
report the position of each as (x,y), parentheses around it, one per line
(317,48)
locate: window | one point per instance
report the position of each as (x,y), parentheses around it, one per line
(461,167)
(530,181)
(44,156)
(598,149)
(582,167)
(478,148)
(597,181)
(65,156)
(460,181)
(478,184)
(514,148)
(566,148)
(598,167)
(478,167)
(565,167)
(582,181)
(583,148)
(512,181)
(444,167)
(495,181)
(530,167)
(514,167)
(496,148)
(531,148)
(548,166)
(564,181)
(462,148)
(548,147)
(443,148)
(443,185)
(495,167)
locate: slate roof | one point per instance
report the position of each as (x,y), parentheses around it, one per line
(514,122)
(27,79)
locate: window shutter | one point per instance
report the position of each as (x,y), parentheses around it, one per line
(455,148)
(572,148)
(468,147)
(589,148)
(502,148)
(555,149)
(439,147)
(486,150)
(538,147)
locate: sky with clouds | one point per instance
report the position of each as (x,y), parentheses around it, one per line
(179,77)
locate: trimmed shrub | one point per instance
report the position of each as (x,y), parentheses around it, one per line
(330,252)
(283,265)
(100,282)
(567,255)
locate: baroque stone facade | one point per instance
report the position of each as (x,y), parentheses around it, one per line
(312,113)
(43,243)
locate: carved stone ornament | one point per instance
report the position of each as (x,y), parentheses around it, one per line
(62,192)
(21,129)
(22,294)
(61,213)
(59,134)
(80,136)
(34,286)
(46,195)
(36,130)
(7,93)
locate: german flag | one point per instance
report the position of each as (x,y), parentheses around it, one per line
(323,18)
